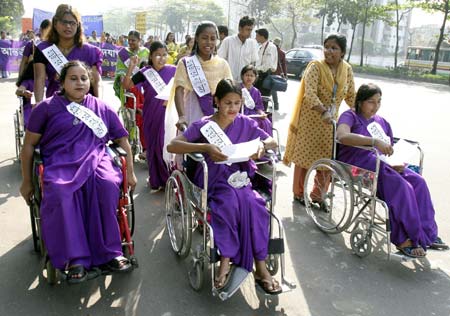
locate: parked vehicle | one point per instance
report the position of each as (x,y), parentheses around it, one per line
(298,58)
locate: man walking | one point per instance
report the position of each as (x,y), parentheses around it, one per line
(281,69)
(240,50)
(267,60)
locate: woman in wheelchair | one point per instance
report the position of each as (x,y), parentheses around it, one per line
(239,218)
(81,184)
(404,191)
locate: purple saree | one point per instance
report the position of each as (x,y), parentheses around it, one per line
(406,194)
(80,184)
(89,54)
(264,124)
(153,114)
(239,217)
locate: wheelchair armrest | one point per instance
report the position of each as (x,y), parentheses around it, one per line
(37,156)
(119,151)
(412,142)
(198,157)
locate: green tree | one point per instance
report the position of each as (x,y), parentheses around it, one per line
(295,11)
(400,10)
(437,6)
(11,12)
(263,10)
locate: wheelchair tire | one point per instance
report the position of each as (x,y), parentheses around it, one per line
(196,271)
(19,133)
(333,214)
(361,242)
(34,228)
(51,273)
(179,213)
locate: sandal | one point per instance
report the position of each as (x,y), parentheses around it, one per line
(408,251)
(438,244)
(299,199)
(76,274)
(219,284)
(271,286)
(321,205)
(118,264)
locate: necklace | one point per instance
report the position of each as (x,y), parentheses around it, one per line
(66,50)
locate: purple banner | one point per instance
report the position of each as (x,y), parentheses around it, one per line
(39,16)
(11,53)
(109,58)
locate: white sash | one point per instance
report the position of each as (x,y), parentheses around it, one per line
(155,80)
(88,117)
(197,76)
(135,69)
(215,135)
(55,57)
(376,131)
(248,100)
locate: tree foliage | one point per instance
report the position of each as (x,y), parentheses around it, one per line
(11,12)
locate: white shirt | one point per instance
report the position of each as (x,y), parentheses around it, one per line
(238,54)
(268,57)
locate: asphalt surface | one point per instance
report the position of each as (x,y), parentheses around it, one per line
(330,279)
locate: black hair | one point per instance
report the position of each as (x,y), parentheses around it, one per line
(45,24)
(27,74)
(154,46)
(200,28)
(167,38)
(223,30)
(340,39)
(246,21)
(135,34)
(263,32)
(226,86)
(70,64)
(249,68)
(365,91)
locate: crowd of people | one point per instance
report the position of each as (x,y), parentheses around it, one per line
(213,78)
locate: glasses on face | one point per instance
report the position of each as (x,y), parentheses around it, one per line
(68,23)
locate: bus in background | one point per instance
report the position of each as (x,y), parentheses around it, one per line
(418,57)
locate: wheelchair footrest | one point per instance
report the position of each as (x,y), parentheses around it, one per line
(238,276)
(276,246)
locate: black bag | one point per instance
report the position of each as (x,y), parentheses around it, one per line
(275,82)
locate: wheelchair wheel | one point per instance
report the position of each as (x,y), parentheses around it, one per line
(19,133)
(179,213)
(34,228)
(332,210)
(51,273)
(195,272)
(361,243)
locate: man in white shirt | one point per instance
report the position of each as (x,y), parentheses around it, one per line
(240,50)
(267,59)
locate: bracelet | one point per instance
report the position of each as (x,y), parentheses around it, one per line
(373,141)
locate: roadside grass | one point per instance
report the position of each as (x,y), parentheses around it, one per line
(403,73)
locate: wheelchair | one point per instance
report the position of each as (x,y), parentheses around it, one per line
(350,203)
(269,110)
(19,128)
(187,211)
(125,211)
(128,116)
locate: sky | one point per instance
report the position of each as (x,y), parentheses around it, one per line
(92,7)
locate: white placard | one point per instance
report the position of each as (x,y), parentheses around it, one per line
(135,69)
(248,100)
(88,117)
(240,152)
(155,80)
(55,57)
(197,76)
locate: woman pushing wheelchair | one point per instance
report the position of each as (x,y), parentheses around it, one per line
(239,218)
(81,184)
(413,226)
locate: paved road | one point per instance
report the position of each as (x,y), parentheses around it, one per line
(330,279)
